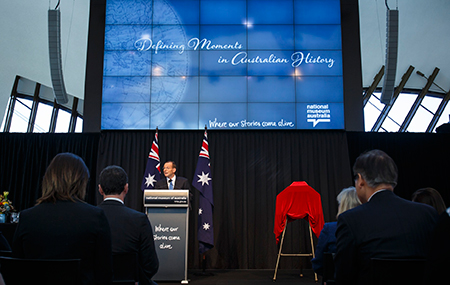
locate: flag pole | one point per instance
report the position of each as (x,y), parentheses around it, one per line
(204,254)
(202,181)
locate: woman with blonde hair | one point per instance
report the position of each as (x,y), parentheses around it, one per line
(63,226)
(347,200)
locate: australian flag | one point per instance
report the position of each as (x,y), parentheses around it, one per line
(153,169)
(203,182)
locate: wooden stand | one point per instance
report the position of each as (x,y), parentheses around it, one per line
(280,254)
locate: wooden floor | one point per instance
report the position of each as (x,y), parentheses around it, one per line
(247,277)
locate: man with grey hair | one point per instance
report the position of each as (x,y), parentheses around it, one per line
(384,226)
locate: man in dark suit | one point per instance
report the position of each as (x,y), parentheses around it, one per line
(131,230)
(171,181)
(384,226)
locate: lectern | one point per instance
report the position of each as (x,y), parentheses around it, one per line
(168,212)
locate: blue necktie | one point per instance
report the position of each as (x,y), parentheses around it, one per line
(170,184)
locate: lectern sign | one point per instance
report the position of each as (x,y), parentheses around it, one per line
(165,236)
(173,201)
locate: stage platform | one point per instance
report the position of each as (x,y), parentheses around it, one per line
(248,277)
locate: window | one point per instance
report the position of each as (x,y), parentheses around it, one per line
(49,116)
(398,112)
(43,118)
(20,116)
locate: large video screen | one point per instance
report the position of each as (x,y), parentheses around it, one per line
(223,64)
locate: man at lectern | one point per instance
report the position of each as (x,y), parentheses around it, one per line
(171,181)
(131,230)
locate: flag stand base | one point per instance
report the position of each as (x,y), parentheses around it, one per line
(204,273)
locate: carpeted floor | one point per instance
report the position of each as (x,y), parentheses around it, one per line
(247,277)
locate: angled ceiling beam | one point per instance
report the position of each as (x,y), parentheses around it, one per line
(73,115)
(371,89)
(34,108)
(382,117)
(418,101)
(438,113)
(12,104)
(54,118)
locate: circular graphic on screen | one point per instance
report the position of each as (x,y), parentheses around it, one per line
(169,64)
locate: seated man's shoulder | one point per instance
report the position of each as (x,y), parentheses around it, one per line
(125,212)
(135,212)
(421,208)
(132,218)
(86,208)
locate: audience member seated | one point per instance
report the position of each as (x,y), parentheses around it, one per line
(131,230)
(430,196)
(439,251)
(347,200)
(63,226)
(384,226)
(438,261)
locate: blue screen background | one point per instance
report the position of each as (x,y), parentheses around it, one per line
(224,64)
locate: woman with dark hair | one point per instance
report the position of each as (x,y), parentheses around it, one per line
(63,226)
(439,248)
(430,196)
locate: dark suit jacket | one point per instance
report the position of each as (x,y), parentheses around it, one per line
(131,231)
(438,261)
(385,227)
(66,230)
(180,183)
(326,243)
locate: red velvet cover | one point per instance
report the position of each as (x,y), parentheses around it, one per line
(298,201)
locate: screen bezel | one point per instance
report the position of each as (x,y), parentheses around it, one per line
(351,56)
